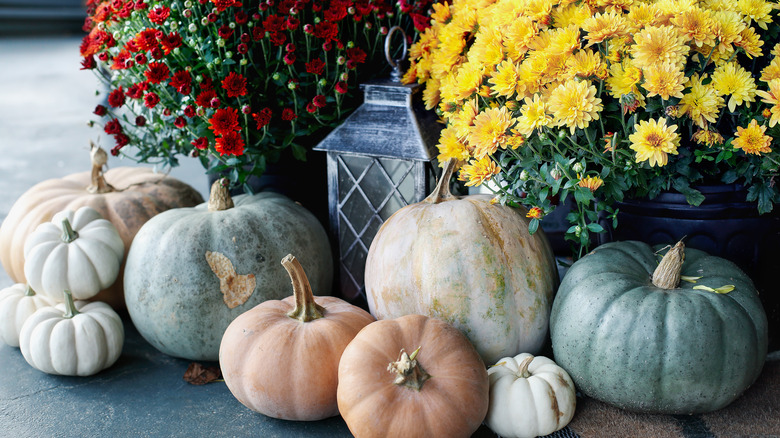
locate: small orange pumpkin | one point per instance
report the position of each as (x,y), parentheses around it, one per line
(281,358)
(134,195)
(440,390)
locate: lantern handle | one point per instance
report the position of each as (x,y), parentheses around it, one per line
(396,74)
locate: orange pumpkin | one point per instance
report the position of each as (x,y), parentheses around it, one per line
(281,357)
(134,195)
(440,390)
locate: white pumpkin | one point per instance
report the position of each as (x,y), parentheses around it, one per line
(72,339)
(17,303)
(529,396)
(77,251)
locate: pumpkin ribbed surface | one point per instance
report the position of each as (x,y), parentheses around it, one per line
(644,348)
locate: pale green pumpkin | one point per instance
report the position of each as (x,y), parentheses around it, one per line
(630,333)
(468,262)
(191,271)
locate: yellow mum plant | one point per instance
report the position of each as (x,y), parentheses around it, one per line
(604,99)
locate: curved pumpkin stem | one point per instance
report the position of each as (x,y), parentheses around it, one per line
(442,191)
(68,233)
(306,309)
(70,306)
(99,159)
(219,196)
(522,367)
(667,274)
(410,373)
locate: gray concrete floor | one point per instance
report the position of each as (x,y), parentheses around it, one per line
(45,104)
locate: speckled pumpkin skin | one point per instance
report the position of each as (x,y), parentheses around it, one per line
(173,296)
(470,263)
(646,349)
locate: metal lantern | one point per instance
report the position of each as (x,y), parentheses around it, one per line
(379,160)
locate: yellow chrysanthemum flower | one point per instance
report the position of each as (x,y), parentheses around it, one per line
(532,72)
(653,141)
(431,94)
(776,50)
(665,80)
(604,26)
(623,79)
(719,5)
(574,104)
(489,131)
(463,120)
(756,10)
(696,25)
(752,139)
(657,45)
(533,115)
(451,147)
(591,182)
(642,15)
(708,138)
(478,172)
(772,97)
(504,80)
(670,8)
(487,49)
(518,36)
(468,80)
(701,103)
(571,14)
(586,64)
(731,79)
(441,12)
(728,29)
(540,10)
(564,41)
(772,71)
(750,42)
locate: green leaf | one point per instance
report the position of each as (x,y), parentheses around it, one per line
(693,196)
(596,228)
(583,195)
(533,226)
(299,152)
(718,290)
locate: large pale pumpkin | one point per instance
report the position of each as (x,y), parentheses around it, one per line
(630,333)
(412,376)
(281,358)
(191,271)
(468,262)
(126,196)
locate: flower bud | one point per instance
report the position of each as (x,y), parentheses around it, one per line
(323,82)
(188,13)
(345,76)
(524,176)
(188,4)
(228,54)
(578,167)
(276,76)
(204,21)
(192,27)
(246,109)
(174,24)
(556,174)
(341,60)
(220,42)
(292,85)
(243,61)
(383,30)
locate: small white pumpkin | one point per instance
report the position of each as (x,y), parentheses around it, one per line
(17,303)
(72,339)
(77,251)
(529,396)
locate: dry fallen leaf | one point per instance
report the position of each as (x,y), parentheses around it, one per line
(197,374)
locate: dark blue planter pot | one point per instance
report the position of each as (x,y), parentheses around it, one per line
(724,225)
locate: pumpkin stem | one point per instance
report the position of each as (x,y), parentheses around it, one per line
(522,368)
(70,307)
(68,233)
(306,309)
(99,159)
(442,191)
(667,274)
(28,291)
(410,373)
(219,197)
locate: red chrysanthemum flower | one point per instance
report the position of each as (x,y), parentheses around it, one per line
(421,22)
(157,72)
(140,5)
(180,122)
(337,11)
(100,110)
(182,82)
(258,33)
(263,118)
(88,63)
(225,32)
(157,53)
(170,42)
(278,38)
(274,23)
(319,101)
(146,39)
(356,55)
(121,140)
(113,127)
(204,98)
(288,114)
(341,87)
(117,97)
(315,67)
(230,143)
(189,111)
(122,61)
(311,108)
(206,83)
(241,17)
(200,143)
(224,120)
(140,58)
(289,58)
(234,84)
(136,91)
(159,14)
(292,23)
(151,99)
(140,121)
(224,4)
(326,30)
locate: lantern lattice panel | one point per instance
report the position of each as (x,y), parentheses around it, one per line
(370,190)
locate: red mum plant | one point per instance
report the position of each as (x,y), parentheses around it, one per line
(234,82)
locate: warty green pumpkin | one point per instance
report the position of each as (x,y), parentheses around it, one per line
(631,333)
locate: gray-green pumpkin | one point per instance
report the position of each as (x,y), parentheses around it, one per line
(191,271)
(630,333)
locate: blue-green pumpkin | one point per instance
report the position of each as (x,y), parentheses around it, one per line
(631,333)
(191,271)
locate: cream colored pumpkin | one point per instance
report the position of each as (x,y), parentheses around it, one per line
(72,339)
(17,303)
(529,396)
(468,262)
(77,251)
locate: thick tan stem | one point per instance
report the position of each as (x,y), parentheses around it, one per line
(409,372)
(99,159)
(219,197)
(522,368)
(667,274)
(306,309)
(442,191)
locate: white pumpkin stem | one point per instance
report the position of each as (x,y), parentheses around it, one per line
(442,191)
(70,306)
(99,159)
(28,291)
(522,368)
(68,233)
(306,309)
(219,197)
(667,274)
(409,372)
